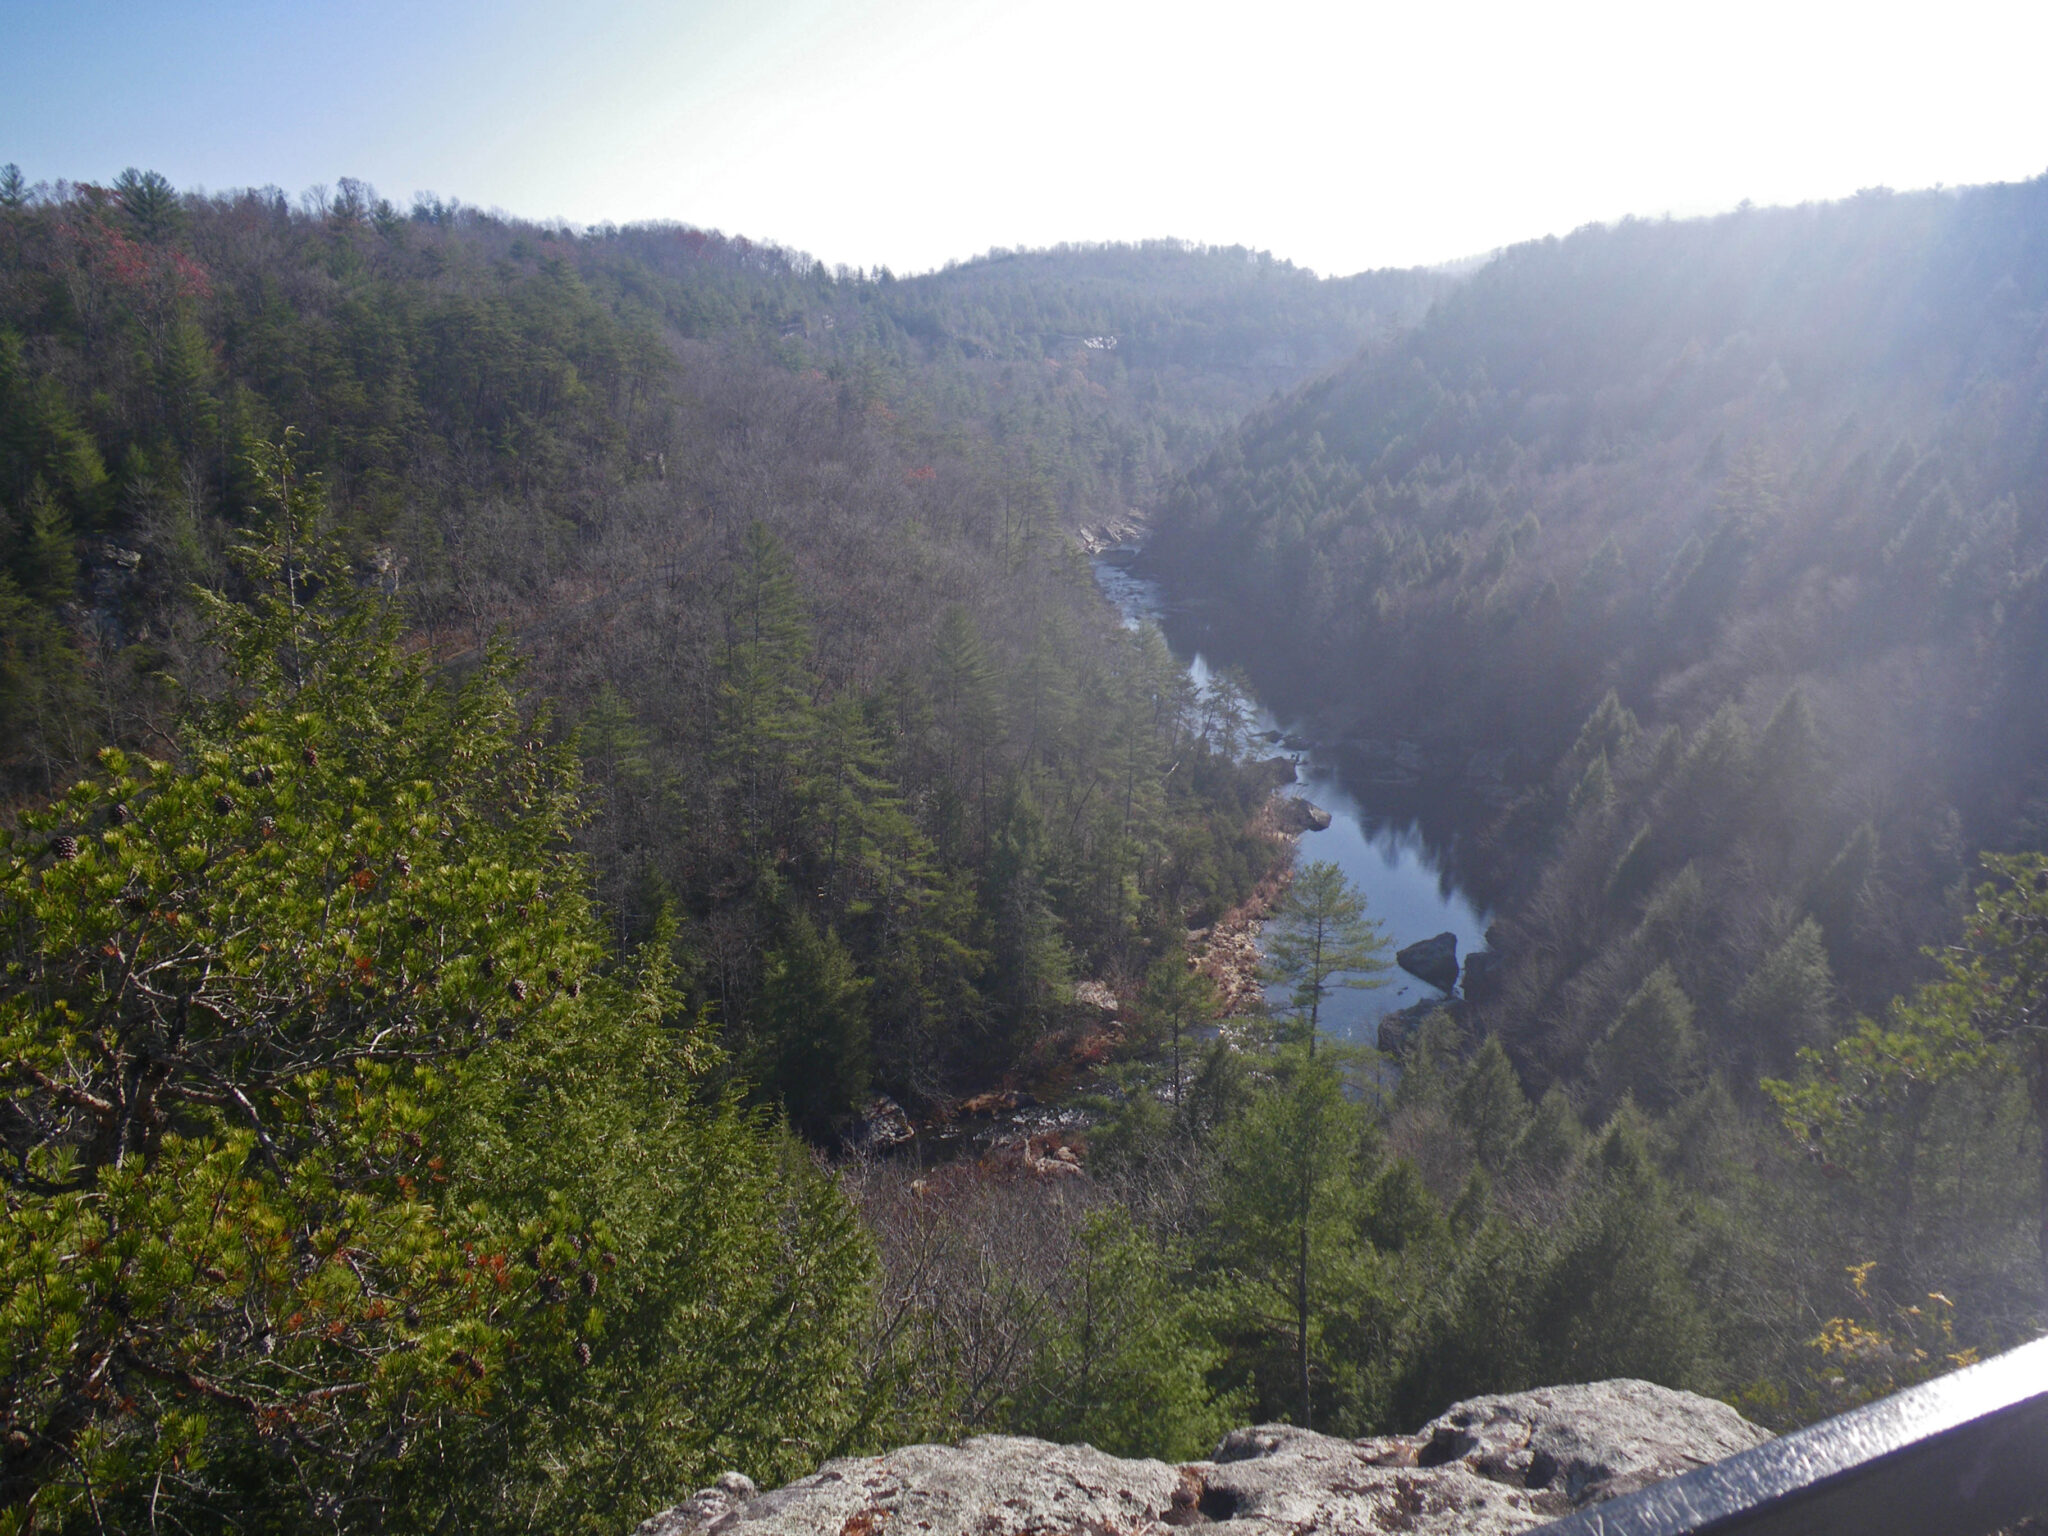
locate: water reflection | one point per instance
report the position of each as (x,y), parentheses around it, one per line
(1408,890)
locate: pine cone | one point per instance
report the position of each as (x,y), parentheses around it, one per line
(589,1283)
(64,847)
(310,757)
(402,864)
(222,804)
(266,827)
(582,1353)
(518,989)
(554,976)
(119,814)
(576,989)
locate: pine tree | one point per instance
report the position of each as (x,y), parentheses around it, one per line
(1787,1004)
(764,692)
(151,204)
(1127,1367)
(1176,1000)
(1319,934)
(1614,1299)
(1651,1051)
(812,1027)
(1491,1106)
(1288,1206)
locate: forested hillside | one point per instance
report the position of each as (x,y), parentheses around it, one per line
(513,736)
(786,540)
(534,718)
(1733,532)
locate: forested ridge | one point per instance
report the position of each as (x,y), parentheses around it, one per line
(514,735)
(1732,534)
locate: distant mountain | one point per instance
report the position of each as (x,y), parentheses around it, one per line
(1110,368)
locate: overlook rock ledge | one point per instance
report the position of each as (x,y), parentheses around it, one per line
(1492,1464)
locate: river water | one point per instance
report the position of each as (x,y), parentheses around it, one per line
(1407,892)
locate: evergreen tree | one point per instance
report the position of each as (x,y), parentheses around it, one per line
(1615,1299)
(344,1155)
(1319,934)
(765,691)
(150,202)
(1286,1222)
(1176,1000)
(1491,1106)
(1127,1368)
(812,1027)
(1651,1051)
(1787,1004)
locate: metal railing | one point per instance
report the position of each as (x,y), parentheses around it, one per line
(1958,1456)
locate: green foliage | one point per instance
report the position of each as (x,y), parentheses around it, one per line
(338,1158)
(1491,1106)
(1615,1300)
(1127,1370)
(1877,1106)
(1651,1051)
(1320,939)
(1285,1226)
(1177,999)
(1786,1004)
(812,1029)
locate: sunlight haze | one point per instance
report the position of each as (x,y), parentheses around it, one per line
(913,132)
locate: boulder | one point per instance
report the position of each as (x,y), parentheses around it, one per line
(1293,814)
(1433,960)
(1095,994)
(1491,1465)
(880,1125)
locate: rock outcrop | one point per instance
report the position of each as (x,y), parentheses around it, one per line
(1491,1465)
(1293,814)
(1433,960)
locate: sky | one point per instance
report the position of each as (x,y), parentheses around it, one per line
(908,133)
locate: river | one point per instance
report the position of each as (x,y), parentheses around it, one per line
(1407,891)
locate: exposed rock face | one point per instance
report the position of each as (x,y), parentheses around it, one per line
(1291,814)
(1491,1465)
(1434,960)
(881,1123)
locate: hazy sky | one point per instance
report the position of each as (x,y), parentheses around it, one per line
(909,132)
